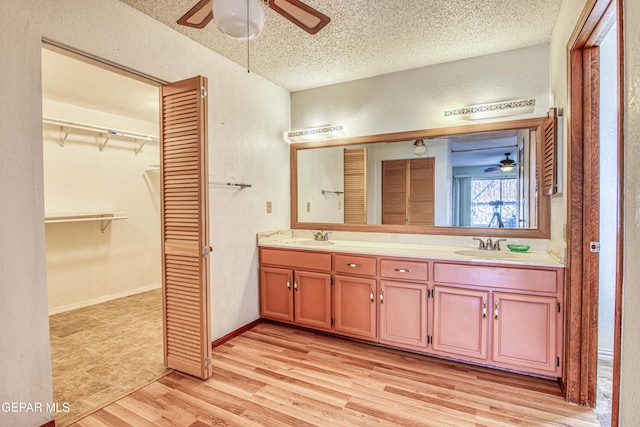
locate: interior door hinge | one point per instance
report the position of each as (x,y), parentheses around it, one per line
(203,92)
(594,246)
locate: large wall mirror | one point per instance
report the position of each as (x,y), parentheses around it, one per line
(480,179)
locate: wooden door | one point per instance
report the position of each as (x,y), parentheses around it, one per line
(524,332)
(420,179)
(394,192)
(276,295)
(460,322)
(312,299)
(355,307)
(185,228)
(403,313)
(355,186)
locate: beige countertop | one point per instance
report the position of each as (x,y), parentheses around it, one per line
(468,253)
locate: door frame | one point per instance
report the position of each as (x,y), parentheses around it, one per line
(581,350)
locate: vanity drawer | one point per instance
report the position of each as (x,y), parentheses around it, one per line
(400,269)
(296,259)
(498,277)
(354,264)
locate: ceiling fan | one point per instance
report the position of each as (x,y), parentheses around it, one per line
(506,165)
(232,16)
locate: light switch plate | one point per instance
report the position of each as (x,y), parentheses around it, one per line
(308,206)
(269,207)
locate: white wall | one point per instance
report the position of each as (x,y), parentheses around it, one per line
(84,265)
(630,375)
(416,99)
(247,117)
(608,199)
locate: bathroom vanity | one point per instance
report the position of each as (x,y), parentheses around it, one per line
(493,308)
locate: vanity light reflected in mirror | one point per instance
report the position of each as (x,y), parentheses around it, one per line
(419,149)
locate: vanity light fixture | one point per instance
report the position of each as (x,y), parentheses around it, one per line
(315,134)
(496,109)
(419,149)
(239,19)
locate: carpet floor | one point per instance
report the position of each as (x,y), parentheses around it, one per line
(102,352)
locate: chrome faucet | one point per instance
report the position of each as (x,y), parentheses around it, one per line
(490,245)
(319,235)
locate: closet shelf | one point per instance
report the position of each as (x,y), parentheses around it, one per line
(336,192)
(104,133)
(105,218)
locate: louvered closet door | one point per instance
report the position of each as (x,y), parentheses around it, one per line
(185,230)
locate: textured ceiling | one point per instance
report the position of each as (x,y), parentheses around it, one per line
(369,38)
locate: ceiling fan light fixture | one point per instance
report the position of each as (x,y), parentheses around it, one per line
(419,149)
(506,168)
(232,17)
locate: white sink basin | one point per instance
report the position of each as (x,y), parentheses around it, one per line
(309,242)
(477,253)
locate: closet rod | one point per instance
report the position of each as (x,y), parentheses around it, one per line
(100,129)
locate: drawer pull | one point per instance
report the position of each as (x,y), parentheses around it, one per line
(352,265)
(289,284)
(495,311)
(484,309)
(403,270)
(295,284)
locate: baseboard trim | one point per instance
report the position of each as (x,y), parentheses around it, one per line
(51,423)
(100,300)
(235,333)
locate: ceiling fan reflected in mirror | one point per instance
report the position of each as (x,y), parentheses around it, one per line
(506,165)
(242,19)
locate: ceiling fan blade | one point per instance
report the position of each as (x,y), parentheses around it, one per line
(302,15)
(492,169)
(199,15)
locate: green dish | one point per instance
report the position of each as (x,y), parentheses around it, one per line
(518,248)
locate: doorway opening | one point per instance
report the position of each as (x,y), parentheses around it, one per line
(102,204)
(594,217)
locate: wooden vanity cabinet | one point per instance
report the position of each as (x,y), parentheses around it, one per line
(403,303)
(291,292)
(523,315)
(460,322)
(501,315)
(355,294)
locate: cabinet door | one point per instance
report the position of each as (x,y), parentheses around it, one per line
(355,307)
(276,299)
(312,299)
(460,322)
(524,332)
(403,314)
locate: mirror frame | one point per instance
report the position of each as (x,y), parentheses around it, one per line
(541,232)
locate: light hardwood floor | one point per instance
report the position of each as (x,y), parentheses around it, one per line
(275,375)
